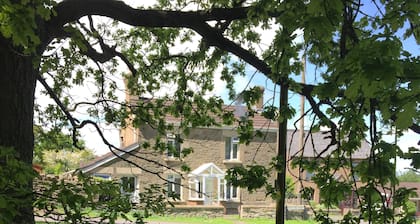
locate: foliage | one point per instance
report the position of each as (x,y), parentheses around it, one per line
(368,78)
(17,21)
(78,198)
(74,199)
(56,153)
(57,162)
(14,179)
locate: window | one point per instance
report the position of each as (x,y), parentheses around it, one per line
(308,193)
(231,191)
(173,146)
(231,148)
(128,185)
(174,186)
(196,189)
(103,197)
(227,191)
(309,175)
(355,173)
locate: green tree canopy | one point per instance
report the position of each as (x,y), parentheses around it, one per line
(369,79)
(56,153)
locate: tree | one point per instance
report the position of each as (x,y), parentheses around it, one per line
(409,176)
(55,151)
(369,78)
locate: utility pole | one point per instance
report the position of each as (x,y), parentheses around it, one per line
(281,158)
(302,106)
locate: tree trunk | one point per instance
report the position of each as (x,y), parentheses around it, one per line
(17,87)
(282,160)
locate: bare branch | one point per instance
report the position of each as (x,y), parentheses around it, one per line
(73,121)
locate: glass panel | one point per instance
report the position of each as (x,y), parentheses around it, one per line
(177,188)
(234,192)
(200,189)
(227,148)
(309,175)
(222,189)
(174,184)
(234,151)
(193,192)
(171,148)
(228,189)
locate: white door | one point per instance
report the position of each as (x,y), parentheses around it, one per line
(210,190)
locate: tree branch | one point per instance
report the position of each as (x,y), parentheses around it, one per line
(71,10)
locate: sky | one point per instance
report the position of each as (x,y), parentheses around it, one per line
(253,78)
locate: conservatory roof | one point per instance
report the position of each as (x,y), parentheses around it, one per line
(207,169)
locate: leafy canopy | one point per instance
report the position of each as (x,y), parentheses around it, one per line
(368,78)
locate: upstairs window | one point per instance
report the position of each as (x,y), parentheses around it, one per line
(231,148)
(173,146)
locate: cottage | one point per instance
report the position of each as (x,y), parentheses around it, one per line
(215,149)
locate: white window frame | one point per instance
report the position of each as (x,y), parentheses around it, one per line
(134,185)
(231,189)
(233,142)
(226,187)
(196,187)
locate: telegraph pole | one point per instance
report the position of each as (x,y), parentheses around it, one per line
(302,105)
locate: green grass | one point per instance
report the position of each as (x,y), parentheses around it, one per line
(191,220)
(223,220)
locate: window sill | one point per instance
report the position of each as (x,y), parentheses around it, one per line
(172,159)
(195,199)
(232,161)
(232,200)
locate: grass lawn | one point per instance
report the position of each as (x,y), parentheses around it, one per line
(223,220)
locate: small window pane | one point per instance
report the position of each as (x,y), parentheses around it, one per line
(234,192)
(227,148)
(173,147)
(234,151)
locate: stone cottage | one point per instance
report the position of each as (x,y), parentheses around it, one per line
(215,149)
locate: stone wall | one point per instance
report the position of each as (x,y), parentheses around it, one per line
(199,211)
(292,212)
